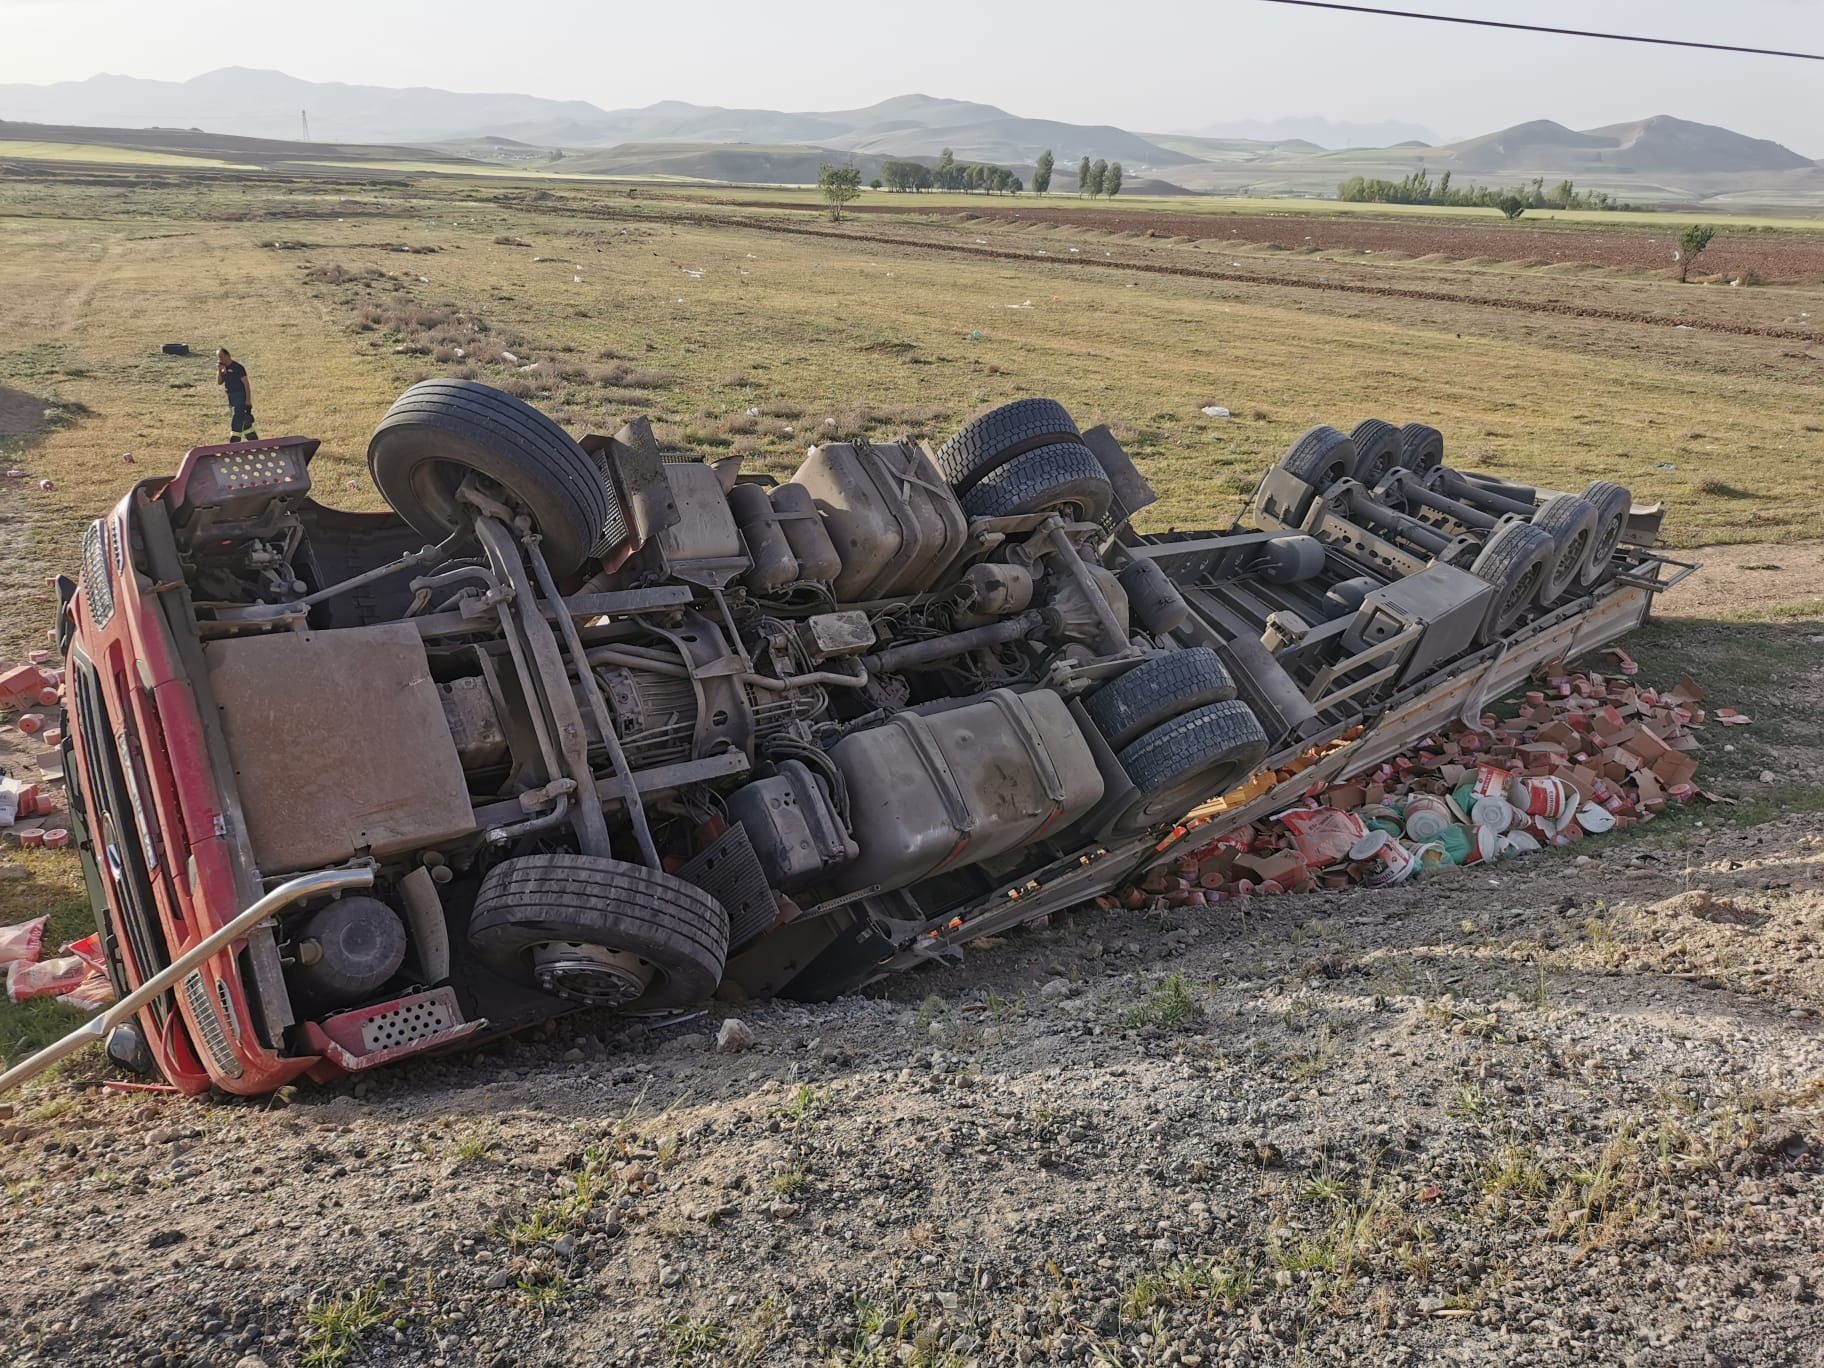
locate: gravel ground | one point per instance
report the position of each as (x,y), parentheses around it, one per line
(1562,1111)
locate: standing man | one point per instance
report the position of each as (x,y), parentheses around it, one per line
(231,375)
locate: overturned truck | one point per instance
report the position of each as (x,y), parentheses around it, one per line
(600,725)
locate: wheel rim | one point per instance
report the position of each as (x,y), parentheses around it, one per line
(591,974)
(1179,798)
(1572,559)
(1521,592)
(1611,538)
(434,484)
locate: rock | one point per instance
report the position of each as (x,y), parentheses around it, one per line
(735,1036)
(1055,988)
(1693,903)
(498,1279)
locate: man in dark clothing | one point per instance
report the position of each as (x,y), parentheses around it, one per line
(231,375)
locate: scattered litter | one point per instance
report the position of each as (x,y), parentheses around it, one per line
(1026,305)
(1215,411)
(93,993)
(22,941)
(1586,753)
(1664,465)
(694,275)
(45,978)
(508,356)
(127,456)
(45,484)
(753,413)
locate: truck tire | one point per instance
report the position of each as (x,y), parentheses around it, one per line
(1181,763)
(989,440)
(677,930)
(438,431)
(1377,449)
(1516,559)
(1573,523)
(1063,478)
(1320,458)
(1156,690)
(1612,506)
(1421,448)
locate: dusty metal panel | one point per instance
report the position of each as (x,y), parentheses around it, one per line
(339,744)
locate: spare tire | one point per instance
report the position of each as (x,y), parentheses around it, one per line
(1320,458)
(989,440)
(1573,523)
(1062,478)
(440,431)
(1192,758)
(1517,560)
(673,932)
(1156,690)
(1377,447)
(1613,503)
(1421,448)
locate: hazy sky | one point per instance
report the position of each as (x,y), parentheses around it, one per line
(1155,65)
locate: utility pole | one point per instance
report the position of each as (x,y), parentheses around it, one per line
(304,118)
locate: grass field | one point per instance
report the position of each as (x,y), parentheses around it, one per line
(601,302)
(102,154)
(760,342)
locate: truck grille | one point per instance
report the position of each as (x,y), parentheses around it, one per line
(209,1024)
(97,582)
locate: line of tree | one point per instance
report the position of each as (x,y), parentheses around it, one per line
(1419,188)
(1098,178)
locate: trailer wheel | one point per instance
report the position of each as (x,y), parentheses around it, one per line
(1421,448)
(1156,690)
(600,931)
(1377,447)
(1192,758)
(1612,506)
(989,440)
(1061,478)
(1573,523)
(439,432)
(1517,560)
(1320,458)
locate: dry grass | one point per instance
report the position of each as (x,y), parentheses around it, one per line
(880,340)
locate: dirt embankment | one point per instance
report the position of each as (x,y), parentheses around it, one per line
(1559,1112)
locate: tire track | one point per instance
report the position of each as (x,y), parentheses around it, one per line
(1551,307)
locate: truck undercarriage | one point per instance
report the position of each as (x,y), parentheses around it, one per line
(606,726)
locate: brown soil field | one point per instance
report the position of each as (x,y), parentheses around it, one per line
(1783,256)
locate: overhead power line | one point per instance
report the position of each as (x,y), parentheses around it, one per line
(1542,28)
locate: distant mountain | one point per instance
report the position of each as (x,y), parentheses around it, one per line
(268,104)
(1657,159)
(1659,146)
(1323,132)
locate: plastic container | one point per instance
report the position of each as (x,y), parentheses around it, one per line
(1497,814)
(1426,816)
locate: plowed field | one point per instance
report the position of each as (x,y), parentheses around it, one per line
(1770,256)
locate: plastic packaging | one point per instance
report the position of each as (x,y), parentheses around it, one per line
(46,978)
(22,942)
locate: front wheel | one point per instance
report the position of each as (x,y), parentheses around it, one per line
(600,931)
(439,433)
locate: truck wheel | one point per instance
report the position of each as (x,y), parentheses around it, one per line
(1573,523)
(1320,458)
(989,440)
(600,931)
(1516,559)
(1612,506)
(1192,758)
(1156,690)
(1377,448)
(1061,478)
(1421,448)
(440,431)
